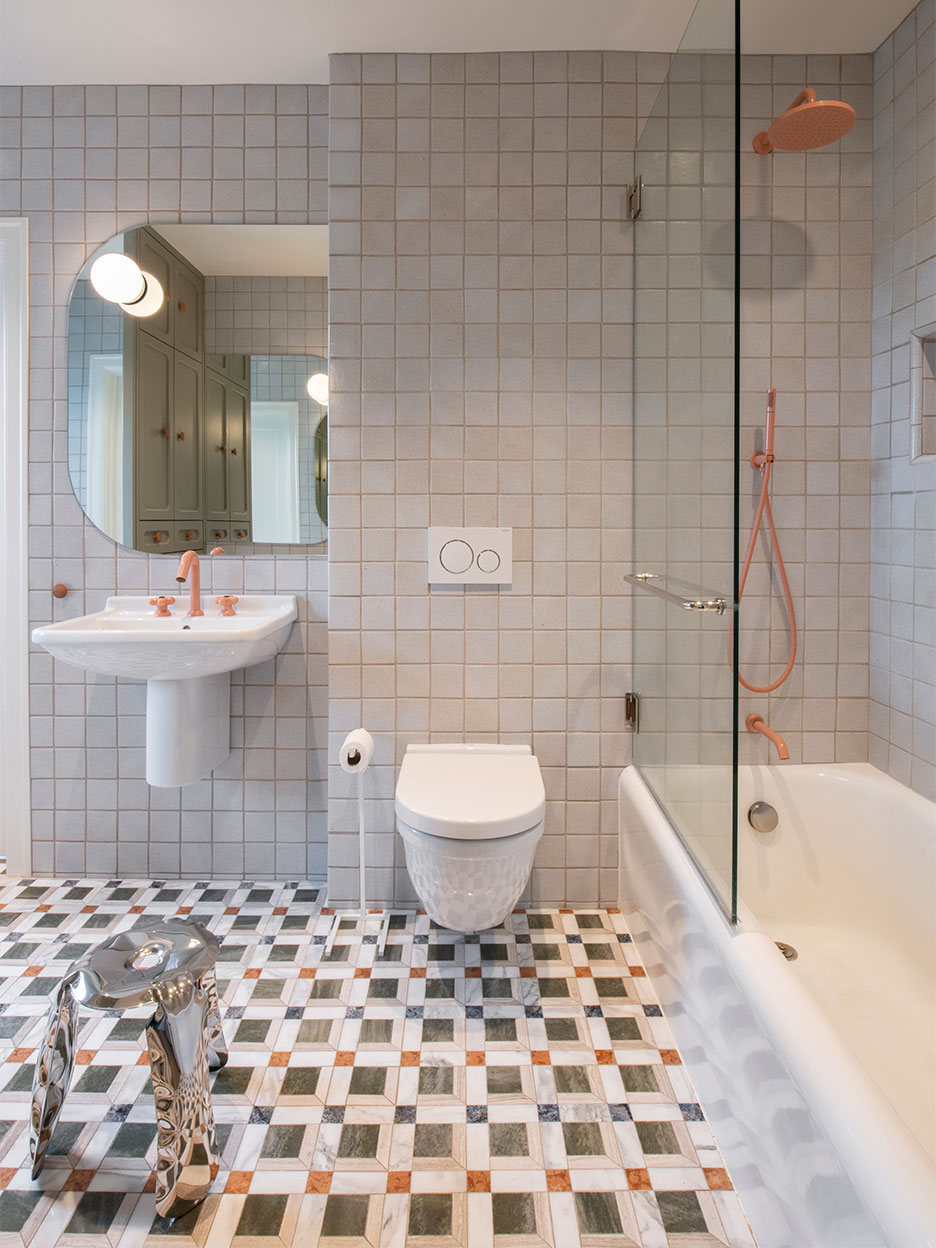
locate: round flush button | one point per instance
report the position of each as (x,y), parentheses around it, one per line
(456,557)
(488,560)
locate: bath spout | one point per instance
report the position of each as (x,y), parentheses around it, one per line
(755,723)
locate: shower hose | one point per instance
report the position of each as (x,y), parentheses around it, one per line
(763,462)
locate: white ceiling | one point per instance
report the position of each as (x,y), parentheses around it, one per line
(185,41)
(251,250)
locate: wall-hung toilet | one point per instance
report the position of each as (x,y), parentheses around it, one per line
(470,817)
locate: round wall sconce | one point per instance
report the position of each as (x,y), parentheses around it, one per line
(317,387)
(118,279)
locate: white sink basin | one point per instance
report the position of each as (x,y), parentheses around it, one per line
(127,639)
(186,663)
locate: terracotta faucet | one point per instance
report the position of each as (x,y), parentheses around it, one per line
(190,564)
(755,723)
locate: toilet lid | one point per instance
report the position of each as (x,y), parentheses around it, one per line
(470,792)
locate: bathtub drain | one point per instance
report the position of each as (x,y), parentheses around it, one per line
(788,951)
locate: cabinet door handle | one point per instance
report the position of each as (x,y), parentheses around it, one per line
(180,436)
(165,432)
(157,538)
(222,448)
(181,306)
(233,450)
(59,590)
(241,533)
(190,537)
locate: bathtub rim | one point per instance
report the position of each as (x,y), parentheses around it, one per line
(897,1172)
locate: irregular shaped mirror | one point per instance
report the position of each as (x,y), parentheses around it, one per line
(198,388)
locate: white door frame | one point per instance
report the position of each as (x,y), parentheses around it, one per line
(15,829)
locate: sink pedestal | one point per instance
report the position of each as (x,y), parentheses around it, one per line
(188,728)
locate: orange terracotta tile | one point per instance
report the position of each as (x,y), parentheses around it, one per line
(32,971)
(150,1184)
(6,1174)
(344,1057)
(238,1182)
(281,909)
(84,1057)
(474,1057)
(418,912)
(43,909)
(472,972)
(526,972)
(184,910)
(232,910)
(670,1057)
(479,1180)
(307,972)
(319,1181)
(612,909)
(638,1180)
(327,910)
(718,1180)
(604,1057)
(137,910)
(558,1181)
(362,972)
(409,1057)
(279,1058)
(567,911)
(417,972)
(252,972)
(398,1181)
(583,972)
(78,1181)
(20,1055)
(540,1057)
(88,909)
(377,910)
(637,972)
(143,1059)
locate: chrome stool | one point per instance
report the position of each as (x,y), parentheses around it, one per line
(169,965)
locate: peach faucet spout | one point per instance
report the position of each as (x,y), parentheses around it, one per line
(755,723)
(189,566)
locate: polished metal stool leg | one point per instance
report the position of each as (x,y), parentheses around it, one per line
(53,1072)
(217,1045)
(187,1158)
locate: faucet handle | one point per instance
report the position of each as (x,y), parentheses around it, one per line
(162,605)
(227,603)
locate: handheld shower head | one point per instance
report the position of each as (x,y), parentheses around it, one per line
(807,123)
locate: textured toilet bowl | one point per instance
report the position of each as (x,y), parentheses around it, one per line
(469,885)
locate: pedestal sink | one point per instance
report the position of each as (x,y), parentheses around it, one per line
(186,663)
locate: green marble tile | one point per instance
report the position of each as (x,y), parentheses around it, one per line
(326,989)
(561,1030)
(500,1030)
(95,921)
(590,920)
(377,1031)
(599,953)
(22,1080)
(432,1140)
(609,986)
(232,1081)
(509,1139)
(10,1024)
(430,1214)
(252,1031)
(246,922)
(554,987)
(97,1078)
(283,1140)
(232,953)
(547,953)
(262,1216)
(65,1137)
(639,1079)
(538,922)
(582,1139)
(41,986)
(383,989)
(50,919)
(368,1081)
(438,1031)
(300,1081)
(657,1137)
(339,953)
(441,953)
(132,1140)
(514,1213)
(439,988)
(359,1140)
(436,1081)
(571,1080)
(496,989)
(314,1031)
(345,1217)
(504,1081)
(681,1213)
(623,1029)
(495,953)
(294,923)
(94,1213)
(598,1213)
(16,1208)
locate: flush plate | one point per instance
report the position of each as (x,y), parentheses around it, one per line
(470,556)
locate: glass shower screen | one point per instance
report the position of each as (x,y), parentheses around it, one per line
(685,421)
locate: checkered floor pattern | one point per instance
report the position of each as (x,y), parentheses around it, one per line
(516,1088)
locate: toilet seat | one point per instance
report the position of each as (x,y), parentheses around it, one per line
(470,792)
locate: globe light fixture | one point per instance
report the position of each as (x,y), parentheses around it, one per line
(317,387)
(119,279)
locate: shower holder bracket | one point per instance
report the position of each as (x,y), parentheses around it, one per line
(634,193)
(632,711)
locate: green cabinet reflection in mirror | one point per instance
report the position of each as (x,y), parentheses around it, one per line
(172,446)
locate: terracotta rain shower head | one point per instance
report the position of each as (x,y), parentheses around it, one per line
(807,123)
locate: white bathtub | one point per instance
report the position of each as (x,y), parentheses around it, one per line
(814,1073)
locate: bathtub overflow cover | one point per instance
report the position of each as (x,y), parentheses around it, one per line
(763,817)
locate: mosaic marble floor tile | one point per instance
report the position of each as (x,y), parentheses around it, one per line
(516,1088)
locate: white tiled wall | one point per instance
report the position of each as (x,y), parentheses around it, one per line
(903,488)
(267,315)
(83,163)
(480,359)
